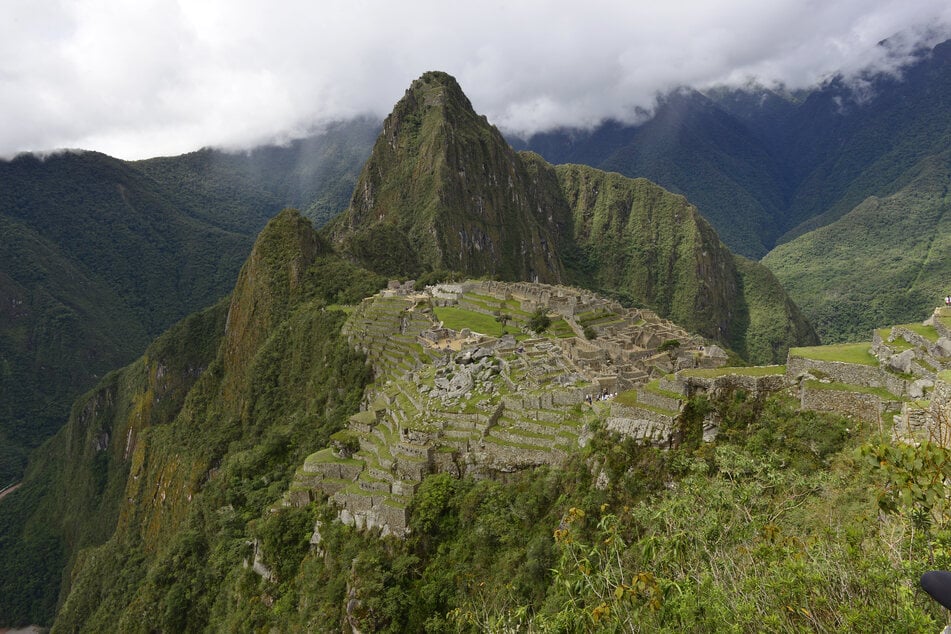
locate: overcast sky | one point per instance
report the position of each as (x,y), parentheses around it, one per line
(142,78)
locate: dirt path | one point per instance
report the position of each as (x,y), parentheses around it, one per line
(10,489)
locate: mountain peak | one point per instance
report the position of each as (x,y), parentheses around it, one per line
(435,93)
(442,189)
(437,84)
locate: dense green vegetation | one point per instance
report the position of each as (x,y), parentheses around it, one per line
(99,256)
(96,261)
(846,352)
(883,262)
(653,248)
(196,404)
(789,540)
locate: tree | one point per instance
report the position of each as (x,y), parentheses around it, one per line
(539,321)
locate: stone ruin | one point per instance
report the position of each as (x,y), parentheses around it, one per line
(467,403)
(905,387)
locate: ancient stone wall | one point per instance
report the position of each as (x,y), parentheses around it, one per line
(913,424)
(939,413)
(850,373)
(753,385)
(867,407)
(649,397)
(642,425)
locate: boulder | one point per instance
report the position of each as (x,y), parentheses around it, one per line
(917,389)
(901,362)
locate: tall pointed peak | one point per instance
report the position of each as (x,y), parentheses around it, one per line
(442,189)
(435,88)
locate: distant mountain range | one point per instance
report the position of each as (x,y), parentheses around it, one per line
(764,166)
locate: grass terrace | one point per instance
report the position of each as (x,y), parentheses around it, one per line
(654,387)
(326,456)
(459,318)
(560,328)
(898,344)
(858,353)
(629,398)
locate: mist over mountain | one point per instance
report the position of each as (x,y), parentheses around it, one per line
(764,166)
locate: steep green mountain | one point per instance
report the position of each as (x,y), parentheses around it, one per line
(61,328)
(100,255)
(644,242)
(886,261)
(233,395)
(443,191)
(693,147)
(97,259)
(849,149)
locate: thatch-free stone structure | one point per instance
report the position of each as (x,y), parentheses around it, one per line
(468,403)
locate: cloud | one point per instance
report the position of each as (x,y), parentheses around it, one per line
(146,78)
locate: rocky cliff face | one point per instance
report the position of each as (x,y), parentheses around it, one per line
(652,245)
(637,240)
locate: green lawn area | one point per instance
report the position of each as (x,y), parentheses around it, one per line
(712,373)
(654,387)
(845,352)
(459,318)
(560,328)
(629,399)
(347,308)
(325,456)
